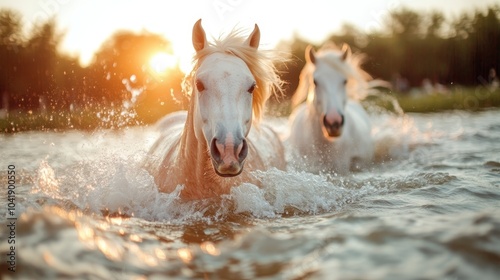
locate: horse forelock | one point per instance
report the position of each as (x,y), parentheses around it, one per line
(358,85)
(260,62)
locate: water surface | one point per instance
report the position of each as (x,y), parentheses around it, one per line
(429,209)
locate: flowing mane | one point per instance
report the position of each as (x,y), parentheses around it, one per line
(359,84)
(260,63)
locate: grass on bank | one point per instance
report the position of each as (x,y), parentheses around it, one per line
(470,99)
(82,120)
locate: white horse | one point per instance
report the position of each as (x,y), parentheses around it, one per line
(213,146)
(331,132)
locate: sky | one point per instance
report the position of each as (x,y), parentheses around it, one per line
(88,23)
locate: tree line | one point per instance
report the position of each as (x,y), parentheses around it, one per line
(410,45)
(35,76)
(414,46)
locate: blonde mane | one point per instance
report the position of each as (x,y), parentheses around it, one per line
(260,63)
(359,83)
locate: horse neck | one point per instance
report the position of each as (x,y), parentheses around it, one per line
(192,151)
(193,159)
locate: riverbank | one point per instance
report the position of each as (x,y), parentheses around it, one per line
(470,99)
(58,121)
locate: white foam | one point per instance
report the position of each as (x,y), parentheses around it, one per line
(117,183)
(290,190)
(127,189)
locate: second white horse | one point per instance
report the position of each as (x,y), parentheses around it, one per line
(331,132)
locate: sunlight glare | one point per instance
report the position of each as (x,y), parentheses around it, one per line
(162,61)
(209,247)
(185,255)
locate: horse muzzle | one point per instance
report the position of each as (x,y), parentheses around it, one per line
(228,156)
(332,125)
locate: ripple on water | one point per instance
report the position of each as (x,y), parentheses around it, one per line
(431,215)
(492,164)
(56,243)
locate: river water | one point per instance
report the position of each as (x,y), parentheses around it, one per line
(429,209)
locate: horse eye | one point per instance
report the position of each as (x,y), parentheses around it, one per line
(251,88)
(199,86)
(315,82)
(345,82)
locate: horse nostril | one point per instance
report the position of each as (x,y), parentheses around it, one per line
(244,151)
(325,121)
(214,150)
(335,124)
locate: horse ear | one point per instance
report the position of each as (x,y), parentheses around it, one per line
(254,39)
(346,51)
(199,37)
(310,54)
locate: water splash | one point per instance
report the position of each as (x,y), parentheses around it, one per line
(124,115)
(134,92)
(291,192)
(124,188)
(46,181)
(117,183)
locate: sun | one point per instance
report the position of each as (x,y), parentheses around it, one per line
(162,61)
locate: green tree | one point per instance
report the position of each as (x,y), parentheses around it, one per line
(404,23)
(40,64)
(486,39)
(11,46)
(435,24)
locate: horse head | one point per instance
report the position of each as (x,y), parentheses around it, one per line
(328,83)
(222,91)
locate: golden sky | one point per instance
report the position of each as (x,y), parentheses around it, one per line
(87,23)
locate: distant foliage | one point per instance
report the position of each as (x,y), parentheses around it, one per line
(35,76)
(414,46)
